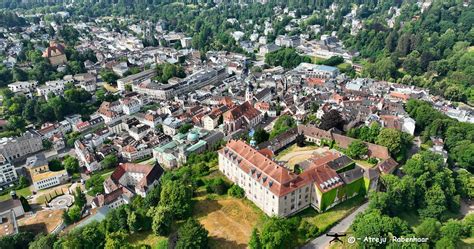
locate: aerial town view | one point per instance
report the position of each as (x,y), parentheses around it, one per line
(234,124)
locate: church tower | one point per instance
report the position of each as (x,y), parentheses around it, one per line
(249,93)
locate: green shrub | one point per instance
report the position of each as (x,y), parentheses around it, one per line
(162,244)
(372,160)
(217,186)
(236,191)
(308,230)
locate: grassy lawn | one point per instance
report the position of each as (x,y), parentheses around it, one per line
(145,238)
(229,220)
(329,218)
(110,88)
(364,163)
(103,172)
(344,66)
(467,243)
(344,244)
(23,192)
(316,59)
(105,175)
(51,193)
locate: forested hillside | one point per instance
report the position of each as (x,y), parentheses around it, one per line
(429,48)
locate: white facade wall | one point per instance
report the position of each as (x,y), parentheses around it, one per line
(7,173)
(263,198)
(50,182)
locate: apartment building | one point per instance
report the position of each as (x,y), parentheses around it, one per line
(126,181)
(25,87)
(308,70)
(7,172)
(135,79)
(17,148)
(197,80)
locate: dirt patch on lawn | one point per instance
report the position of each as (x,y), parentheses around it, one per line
(229,221)
(42,221)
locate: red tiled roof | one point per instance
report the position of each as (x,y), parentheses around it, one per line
(277,178)
(54,49)
(244,110)
(387,166)
(150,173)
(398,95)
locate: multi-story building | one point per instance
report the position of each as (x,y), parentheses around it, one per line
(86,156)
(130,105)
(201,78)
(7,172)
(241,116)
(17,148)
(175,153)
(9,223)
(41,176)
(287,41)
(126,181)
(135,79)
(308,70)
(25,87)
(326,180)
(56,87)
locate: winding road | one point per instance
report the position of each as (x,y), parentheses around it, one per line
(323,241)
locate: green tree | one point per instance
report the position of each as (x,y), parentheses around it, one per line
(74,213)
(55,165)
(95,185)
(162,220)
(285,57)
(429,228)
(92,235)
(23,182)
(133,221)
(236,191)
(116,240)
(108,76)
(463,153)
(109,161)
(357,149)
(454,230)
(43,241)
(17,241)
(177,196)
(71,164)
(25,204)
(254,242)
(79,198)
(261,135)
(373,224)
(185,128)
(66,218)
(396,141)
(278,233)
(331,119)
(192,235)
(435,203)
(152,198)
(464,184)
(283,124)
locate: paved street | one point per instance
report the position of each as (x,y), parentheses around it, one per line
(323,241)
